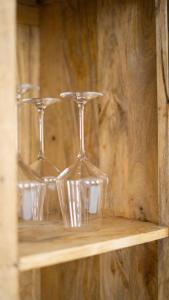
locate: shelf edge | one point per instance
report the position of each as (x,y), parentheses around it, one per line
(61,256)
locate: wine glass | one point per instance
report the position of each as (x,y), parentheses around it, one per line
(43,167)
(82,187)
(31,190)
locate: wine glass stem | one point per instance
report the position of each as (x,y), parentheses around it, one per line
(81,130)
(41,133)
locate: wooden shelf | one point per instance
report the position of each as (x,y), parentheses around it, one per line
(49,243)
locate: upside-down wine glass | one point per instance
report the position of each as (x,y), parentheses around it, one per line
(82,187)
(43,167)
(31,190)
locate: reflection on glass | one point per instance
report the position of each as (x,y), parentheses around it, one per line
(31,195)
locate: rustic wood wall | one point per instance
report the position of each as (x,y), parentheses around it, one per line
(108,46)
(128,138)
(28,71)
(68,63)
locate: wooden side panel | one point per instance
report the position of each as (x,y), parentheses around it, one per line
(8,134)
(128,138)
(28,51)
(163,129)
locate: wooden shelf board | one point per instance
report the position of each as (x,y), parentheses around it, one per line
(47,244)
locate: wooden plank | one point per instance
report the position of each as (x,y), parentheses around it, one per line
(28,15)
(28,71)
(8,134)
(128,137)
(82,285)
(48,244)
(30,285)
(68,62)
(62,68)
(163,116)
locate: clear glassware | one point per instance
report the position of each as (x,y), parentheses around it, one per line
(23,88)
(43,167)
(82,187)
(31,190)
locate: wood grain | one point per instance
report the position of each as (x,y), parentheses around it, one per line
(47,244)
(28,71)
(30,285)
(28,15)
(128,121)
(28,51)
(163,138)
(8,134)
(109,46)
(128,137)
(69,275)
(103,44)
(68,62)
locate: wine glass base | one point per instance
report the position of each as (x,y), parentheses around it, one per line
(41,103)
(81,97)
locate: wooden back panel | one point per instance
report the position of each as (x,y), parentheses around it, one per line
(108,46)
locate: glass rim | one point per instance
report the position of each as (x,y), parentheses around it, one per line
(30,184)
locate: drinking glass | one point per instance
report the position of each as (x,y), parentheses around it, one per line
(82,187)
(31,190)
(43,167)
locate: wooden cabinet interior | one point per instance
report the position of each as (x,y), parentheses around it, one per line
(109,46)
